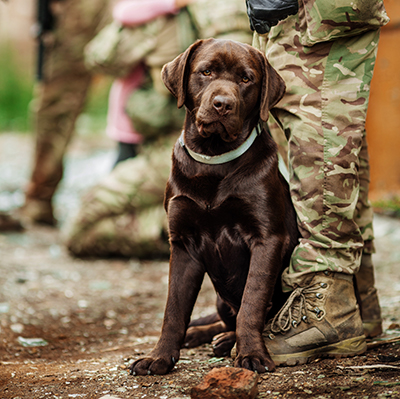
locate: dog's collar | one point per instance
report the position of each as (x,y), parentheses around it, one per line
(227,156)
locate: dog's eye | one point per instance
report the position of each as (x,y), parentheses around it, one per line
(245,79)
(206,72)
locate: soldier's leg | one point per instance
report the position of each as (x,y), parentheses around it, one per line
(60,100)
(325,159)
(324,113)
(60,103)
(365,278)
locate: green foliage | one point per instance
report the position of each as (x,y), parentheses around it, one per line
(390,207)
(15,94)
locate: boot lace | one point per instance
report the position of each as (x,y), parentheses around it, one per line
(294,311)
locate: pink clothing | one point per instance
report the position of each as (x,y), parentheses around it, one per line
(131,12)
(138,12)
(119,125)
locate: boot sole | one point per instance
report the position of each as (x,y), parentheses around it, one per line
(349,347)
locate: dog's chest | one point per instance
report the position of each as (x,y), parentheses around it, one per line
(205,226)
(219,238)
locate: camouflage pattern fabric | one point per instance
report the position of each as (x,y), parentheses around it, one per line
(116,50)
(221,19)
(124,214)
(327,62)
(323,21)
(61,96)
(152,112)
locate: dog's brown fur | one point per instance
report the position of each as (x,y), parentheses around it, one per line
(233,221)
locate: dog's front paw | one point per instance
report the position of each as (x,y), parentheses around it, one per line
(153,365)
(258,363)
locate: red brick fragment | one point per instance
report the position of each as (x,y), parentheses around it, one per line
(227,383)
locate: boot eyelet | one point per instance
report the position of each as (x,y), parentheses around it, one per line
(294,323)
(271,336)
(319,295)
(324,285)
(327,272)
(319,312)
(304,318)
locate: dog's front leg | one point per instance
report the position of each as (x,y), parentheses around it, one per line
(185,279)
(256,302)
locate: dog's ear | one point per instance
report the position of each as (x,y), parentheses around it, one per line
(273,89)
(175,74)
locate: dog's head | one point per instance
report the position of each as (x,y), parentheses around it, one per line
(225,85)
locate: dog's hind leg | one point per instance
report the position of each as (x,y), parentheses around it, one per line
(203,334)
(216,328)
(202,330)
(206,320)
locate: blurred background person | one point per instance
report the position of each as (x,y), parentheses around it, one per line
(123,215)
(65,27)
(143,36)
(108,222)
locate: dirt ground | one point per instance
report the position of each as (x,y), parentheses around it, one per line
(70,328)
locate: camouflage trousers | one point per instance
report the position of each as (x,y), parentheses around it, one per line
(61,95)
(323,115)
(124,215)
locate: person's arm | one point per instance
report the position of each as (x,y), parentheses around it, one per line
(138,12)
(263,14)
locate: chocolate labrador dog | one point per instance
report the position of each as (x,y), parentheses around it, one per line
(229,208)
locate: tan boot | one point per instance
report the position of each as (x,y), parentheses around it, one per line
(37,211)
(369,306)
(320,319)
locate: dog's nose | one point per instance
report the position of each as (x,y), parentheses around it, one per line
(223,104)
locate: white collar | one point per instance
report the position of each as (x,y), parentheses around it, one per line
(227,156)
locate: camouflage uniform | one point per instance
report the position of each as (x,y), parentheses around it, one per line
(221,20)
(326,55)
(123,214)
(60,98)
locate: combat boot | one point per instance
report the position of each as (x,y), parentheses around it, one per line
(321,318)
(369,306)
(37,211)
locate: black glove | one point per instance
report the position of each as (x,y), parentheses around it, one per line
(266,13)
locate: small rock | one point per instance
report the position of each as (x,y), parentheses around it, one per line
(32,342)
(227,382)
(17,328)
(4,307)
